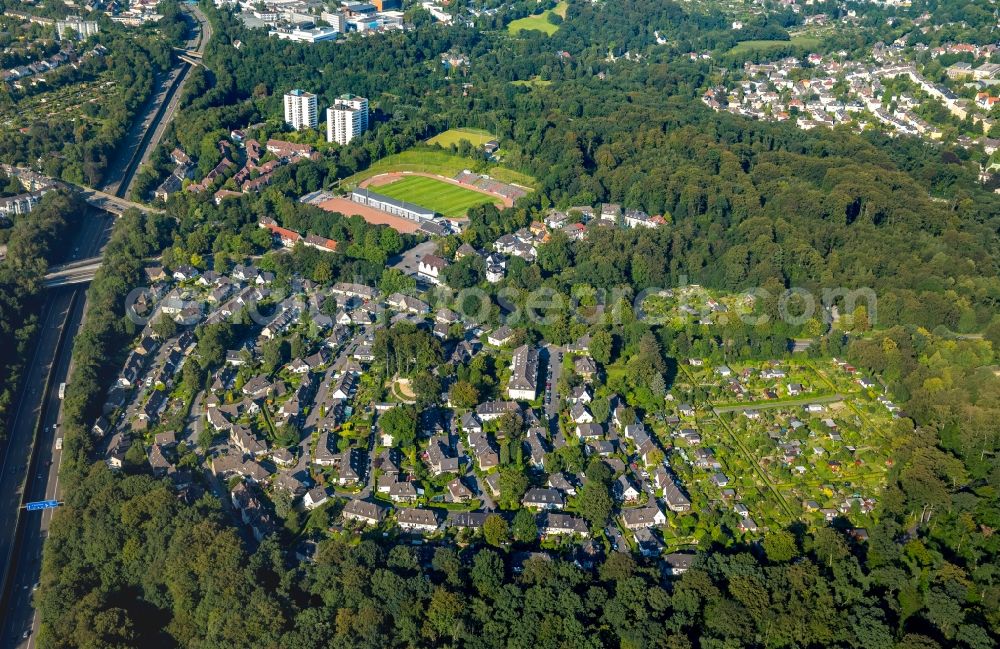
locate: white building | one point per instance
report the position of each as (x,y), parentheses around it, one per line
(346,119)
(20,204)
(82,28)
(523,384)
(337,20)
(312,35)
(389,205)
(300,109)
(430,268)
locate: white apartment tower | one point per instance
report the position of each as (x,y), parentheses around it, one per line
(300,110)
(346,119)
(82,28)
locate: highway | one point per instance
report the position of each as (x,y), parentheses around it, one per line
(27,475)
(146,132)
(62,311)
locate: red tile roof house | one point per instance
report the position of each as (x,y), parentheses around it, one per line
(320,243)
(287,237)
(284,149)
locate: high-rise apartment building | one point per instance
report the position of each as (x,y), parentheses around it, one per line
(346,119)
(300,110)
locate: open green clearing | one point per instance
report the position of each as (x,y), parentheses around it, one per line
(475,136)
(538,21)
(444,198)
(747,48)
(438,162)
(533,82)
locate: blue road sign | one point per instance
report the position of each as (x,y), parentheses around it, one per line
(42,504)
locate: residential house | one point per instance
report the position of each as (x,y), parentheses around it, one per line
(538,447)
(538,498)
(403,492)
(349,467)
(610,212)
(642,517)
(675,498)
(458,492)
(364,512)
(625,490)
(402,302)
(495,409)
(523,383)
(589,431)
(649,545)
(501,336)
(580,414)
(677,563)
(439,458)
(323,456)
(243,439)
(431,268)
(580,394)
(561,482)
(290,484)
(556,524)
(417,520)
(466,520)
(484,452)
(315,497)
(470,424)
(585,367)
(158,461)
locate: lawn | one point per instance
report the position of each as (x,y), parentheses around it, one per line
(746,48)
(444,198)
(430,161)
(533,82)
(438,162)
(505,175)
(475,136)
(538,21)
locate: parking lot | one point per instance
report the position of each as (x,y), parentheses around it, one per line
(407,262)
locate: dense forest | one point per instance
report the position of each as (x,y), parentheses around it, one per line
(748,204)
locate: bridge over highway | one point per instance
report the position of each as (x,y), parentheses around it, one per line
(78,272)
(192,57)
(111,203)
(187,51)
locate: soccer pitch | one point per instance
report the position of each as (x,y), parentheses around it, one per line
(444,198)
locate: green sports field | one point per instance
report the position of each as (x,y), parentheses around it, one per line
(475,136)
(437,162)
(444,198)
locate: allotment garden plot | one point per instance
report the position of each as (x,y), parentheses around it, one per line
(776,442)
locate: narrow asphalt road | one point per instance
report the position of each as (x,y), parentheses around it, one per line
(553,357)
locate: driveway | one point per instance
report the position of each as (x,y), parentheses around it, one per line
(617,540)
(553,358)
(196,419)
(481,493)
